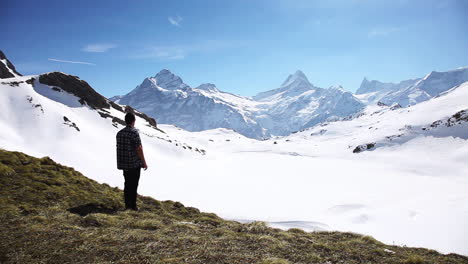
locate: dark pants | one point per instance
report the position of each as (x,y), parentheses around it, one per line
(132,176)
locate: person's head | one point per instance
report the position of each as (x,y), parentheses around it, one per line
(130,119)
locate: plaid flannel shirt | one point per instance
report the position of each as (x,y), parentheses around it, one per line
(128,141)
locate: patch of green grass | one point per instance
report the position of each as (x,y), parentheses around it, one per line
(51,213)
(274,261)
(414,259)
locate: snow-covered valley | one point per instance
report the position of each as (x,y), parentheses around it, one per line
(406,185)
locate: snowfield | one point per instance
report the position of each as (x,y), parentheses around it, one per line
(409,188)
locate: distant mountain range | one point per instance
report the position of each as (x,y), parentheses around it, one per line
(413,91)
(295,105)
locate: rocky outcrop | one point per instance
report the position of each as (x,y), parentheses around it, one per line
(456,119)
(6,68)
(150,120)
(77,87)
(89,96)
(363,147)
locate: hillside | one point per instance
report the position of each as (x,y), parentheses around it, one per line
(51,213)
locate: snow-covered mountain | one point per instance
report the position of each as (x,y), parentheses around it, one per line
(413,91)
(295,105)
(166,97)
(371,92)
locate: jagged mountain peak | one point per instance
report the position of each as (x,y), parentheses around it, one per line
(298,76)
(164,72)
(294,85)
(208,87)
(168,80)
(368,86)
(337,87)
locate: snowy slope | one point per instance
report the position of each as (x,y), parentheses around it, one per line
(408,190)
(295,105)
(44,120)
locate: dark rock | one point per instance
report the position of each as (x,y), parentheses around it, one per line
(115,120)
(39,106)
(4,69)
(395,107)
(363,147)
(30,81)
(104,115)
(70,123)
(458,118)
(381,104)
(116,106)
(77,87)
(119,121)
(150,120)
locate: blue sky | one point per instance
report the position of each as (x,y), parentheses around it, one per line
(243,46)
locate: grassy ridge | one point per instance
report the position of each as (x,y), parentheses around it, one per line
(51,213)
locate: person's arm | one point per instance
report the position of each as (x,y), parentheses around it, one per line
(142,156)
(139,149)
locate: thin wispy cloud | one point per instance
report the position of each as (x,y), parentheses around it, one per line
(162,52)
(74,62)
(382,32)
(177,52)
(175,20)
(98,47)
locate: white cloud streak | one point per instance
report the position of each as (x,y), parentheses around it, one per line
(175,20)
(177,52)
(98,47)
(382,32)
(163,53)
(74,62)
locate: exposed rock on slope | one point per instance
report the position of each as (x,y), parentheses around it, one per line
(7,69)
(82,90)
(77,87)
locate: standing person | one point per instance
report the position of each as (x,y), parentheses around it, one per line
(130,159)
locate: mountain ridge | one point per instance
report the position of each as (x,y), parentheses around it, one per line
(295,104)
